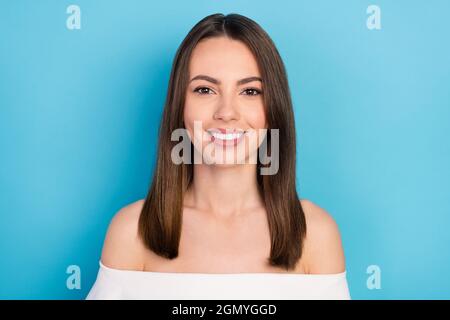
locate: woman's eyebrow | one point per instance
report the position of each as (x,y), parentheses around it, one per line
(249,79)
(207,78)
(215,81)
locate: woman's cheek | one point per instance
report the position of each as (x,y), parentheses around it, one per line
(195,126)
(256,119)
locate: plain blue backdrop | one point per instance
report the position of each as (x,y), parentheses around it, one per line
(80,109)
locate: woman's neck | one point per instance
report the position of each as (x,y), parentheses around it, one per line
(224,191)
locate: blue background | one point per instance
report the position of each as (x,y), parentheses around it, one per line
(79,112)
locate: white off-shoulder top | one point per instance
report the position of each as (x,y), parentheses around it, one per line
(130,284)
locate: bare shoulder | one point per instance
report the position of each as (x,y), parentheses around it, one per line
(323,250)
(122,248)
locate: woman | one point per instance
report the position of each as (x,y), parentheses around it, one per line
(217,225)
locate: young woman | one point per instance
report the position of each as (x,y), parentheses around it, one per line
(224,229)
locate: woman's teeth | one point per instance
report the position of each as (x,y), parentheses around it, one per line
(226,136)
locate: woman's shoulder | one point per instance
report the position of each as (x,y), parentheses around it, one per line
(322,249)
(323,252)
(122,247)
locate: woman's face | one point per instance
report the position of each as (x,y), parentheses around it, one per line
(225,93)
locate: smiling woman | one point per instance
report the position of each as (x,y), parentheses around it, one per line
(224,231)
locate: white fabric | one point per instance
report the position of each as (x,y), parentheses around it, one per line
(128,284)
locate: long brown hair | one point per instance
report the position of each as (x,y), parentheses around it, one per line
(161,216)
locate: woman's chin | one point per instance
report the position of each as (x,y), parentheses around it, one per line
(226,163)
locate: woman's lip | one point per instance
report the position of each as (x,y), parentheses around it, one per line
(214,137)
(225,131)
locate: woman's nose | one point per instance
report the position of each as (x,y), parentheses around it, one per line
(226,110)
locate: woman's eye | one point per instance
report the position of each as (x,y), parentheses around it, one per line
(252,92)
(203,90)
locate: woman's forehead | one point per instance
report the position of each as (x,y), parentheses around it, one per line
(223,57)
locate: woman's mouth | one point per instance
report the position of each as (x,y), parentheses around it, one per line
(226,139)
